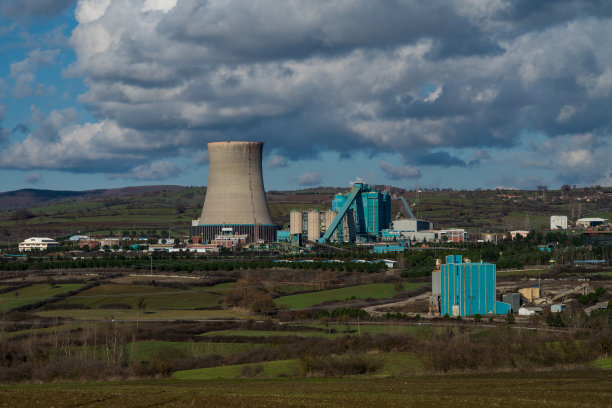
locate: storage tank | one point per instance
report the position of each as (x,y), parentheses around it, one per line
(235,194)
(296,222)
(314,225)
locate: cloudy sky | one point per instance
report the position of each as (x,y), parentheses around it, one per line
(464,93)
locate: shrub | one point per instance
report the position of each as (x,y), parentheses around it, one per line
(115,306)
(351,364)
(477,317)
(251,370)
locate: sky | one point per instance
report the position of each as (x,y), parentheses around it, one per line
(460,94)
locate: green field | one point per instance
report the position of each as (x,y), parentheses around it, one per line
(374,291)
(580,389)
(272,369)
(33,294)
(603,363)
(393,364)
(156,298)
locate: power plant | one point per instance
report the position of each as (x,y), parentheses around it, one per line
(235,196)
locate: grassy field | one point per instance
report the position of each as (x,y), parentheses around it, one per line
(33,294)
(155,297)
(603,363)
(374,290)
(393,364)
(523,389)
(271,369)
(518,272)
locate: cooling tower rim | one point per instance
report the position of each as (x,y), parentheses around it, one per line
(234,142)
(232,225)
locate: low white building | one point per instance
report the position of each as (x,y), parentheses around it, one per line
(590,222)
(37,243)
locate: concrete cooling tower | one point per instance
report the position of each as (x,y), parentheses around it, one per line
(235,194)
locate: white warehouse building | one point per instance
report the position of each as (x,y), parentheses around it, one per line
(558,222)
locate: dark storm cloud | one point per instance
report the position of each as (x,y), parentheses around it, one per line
(443,159)
(20,128)
(411,77)
(21,9)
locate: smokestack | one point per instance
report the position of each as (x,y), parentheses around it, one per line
(235,194)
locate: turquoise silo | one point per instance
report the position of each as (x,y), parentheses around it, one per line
(469,288)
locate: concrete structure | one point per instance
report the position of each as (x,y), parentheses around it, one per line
(590,222)
(436,283)
(514,300)
(296,222)
(469,288)
(416,230)
(314,225)
(235,194)
(38,243)
(411,225)
(558,222)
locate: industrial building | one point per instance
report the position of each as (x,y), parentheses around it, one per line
(360,215)
(467,288)
(363,209)
(235,196)
(558,222)
(415,230)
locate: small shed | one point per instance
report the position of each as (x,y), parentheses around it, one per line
(558,308)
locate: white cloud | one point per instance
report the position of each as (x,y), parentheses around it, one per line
(163,76)
(32,178)
(160,170)
(433,96)
(276,161)
(309,179)
(159,5)
(88,11)
(201,157)
(398,172)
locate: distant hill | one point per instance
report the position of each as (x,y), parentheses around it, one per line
(29,197)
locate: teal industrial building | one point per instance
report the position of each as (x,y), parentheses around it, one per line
(467,288)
